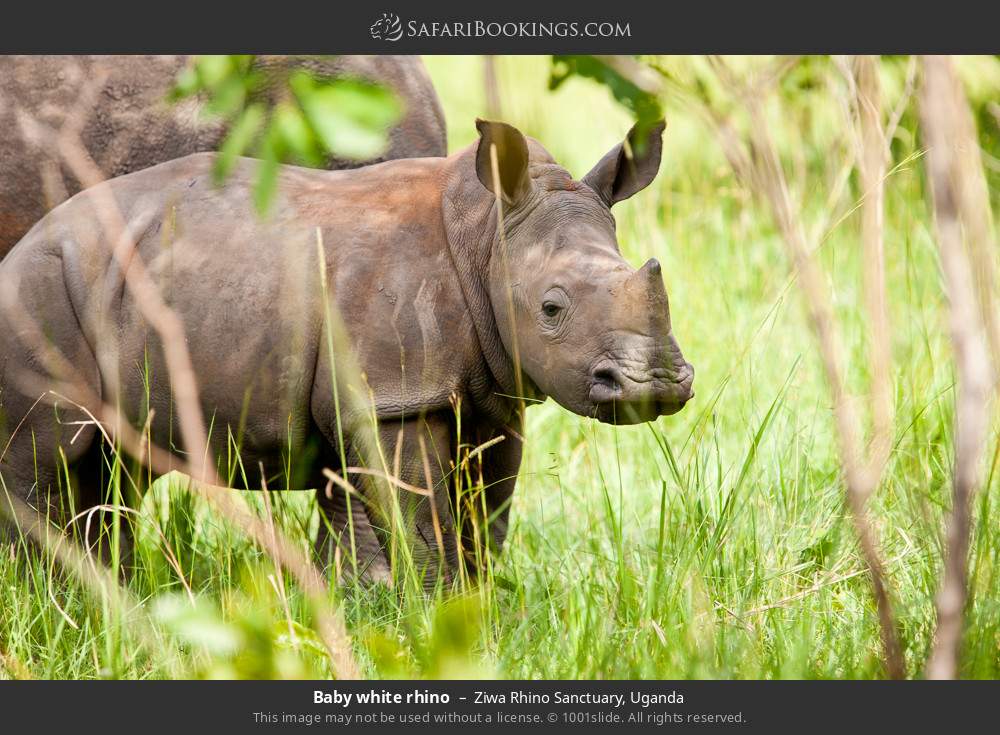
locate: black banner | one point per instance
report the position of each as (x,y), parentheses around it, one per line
(381,706)
(438,27)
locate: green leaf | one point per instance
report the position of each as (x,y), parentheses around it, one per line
(294,133)
(351,118)
(199,625)
(227,98)
(300,638)
(266,183)
(213,69)
(242,62)
(186,84)
(241,135)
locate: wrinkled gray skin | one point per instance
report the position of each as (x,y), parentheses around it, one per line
(131,127)
(435,304)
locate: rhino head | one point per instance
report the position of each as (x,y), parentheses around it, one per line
(585,327)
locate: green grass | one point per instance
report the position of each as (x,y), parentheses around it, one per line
(713,543)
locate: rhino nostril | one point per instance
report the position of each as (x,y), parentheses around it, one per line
(684,374)
(607,377)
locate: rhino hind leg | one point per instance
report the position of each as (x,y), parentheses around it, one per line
(43,434)
(46,490)
(25,512)
(94,499)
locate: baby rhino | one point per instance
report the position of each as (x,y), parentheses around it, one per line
(386,318)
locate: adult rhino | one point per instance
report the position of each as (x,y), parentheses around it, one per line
(448,319)
(131,127)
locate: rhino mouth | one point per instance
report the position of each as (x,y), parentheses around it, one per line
(619,398)
(631,412)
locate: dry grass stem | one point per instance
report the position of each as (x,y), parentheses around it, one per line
(964,236)
(763,170)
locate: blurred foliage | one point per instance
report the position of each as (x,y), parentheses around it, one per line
(443,647)
(644,105)
(296,118)
(250,636)
(242,620)
(801,108)
(981,78)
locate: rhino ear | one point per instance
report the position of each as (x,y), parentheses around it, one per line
(512,159)
(627,169)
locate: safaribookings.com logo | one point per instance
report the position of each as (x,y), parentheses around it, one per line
(387,28)
(390,28)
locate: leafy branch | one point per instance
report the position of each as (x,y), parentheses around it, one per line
(288,116)
(630,83)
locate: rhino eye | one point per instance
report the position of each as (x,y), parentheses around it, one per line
(555,305)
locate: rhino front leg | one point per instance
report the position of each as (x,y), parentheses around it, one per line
(347,541)
(390,526)
(420,453)
(494,469)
